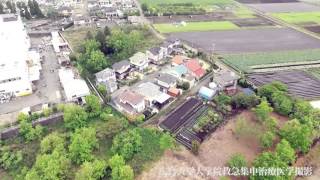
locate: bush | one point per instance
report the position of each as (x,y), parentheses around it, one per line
(236,162)
(244,101)
(266,140)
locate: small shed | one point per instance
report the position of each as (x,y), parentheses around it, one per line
(206,93)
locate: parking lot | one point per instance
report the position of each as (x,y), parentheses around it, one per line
(46,90)
(248,40)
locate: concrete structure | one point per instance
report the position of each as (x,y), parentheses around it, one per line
(18,65)
(140,61)
(58,43)
(130,102)
(107,77)
(74,88)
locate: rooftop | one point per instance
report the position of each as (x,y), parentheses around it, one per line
(167,78)
(131,97)
(105,74)
(117,66)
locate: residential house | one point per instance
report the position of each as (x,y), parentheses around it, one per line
(156,54)
(111,12)
(122,69)
(105,3)
(178,71)
(81,21)
(152,94)
(174,92)
(189,79)
(65,11)
(130,102)
(171,45)
(226,80)
(166,80)
(178,60)
(107,77)
(195,69)
(140,61)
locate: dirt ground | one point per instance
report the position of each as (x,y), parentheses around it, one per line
(214,152)
(311,159)
(248,40)
(285,7)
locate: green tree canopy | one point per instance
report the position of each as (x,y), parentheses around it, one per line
(83,141)
(237,161)
(91,170)
(263,110)
(74,117)
(51,142)
(28,132)
(127,143)
(282,103)
(10,160)
(167,141)
(285,152)
(267,138)
(120,171)
(298,135)
(93,105)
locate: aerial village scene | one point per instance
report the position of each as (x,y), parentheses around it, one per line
(159,89)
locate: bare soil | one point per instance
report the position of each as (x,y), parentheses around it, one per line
(312,159)
(214,152)
(315,29)
(265,1)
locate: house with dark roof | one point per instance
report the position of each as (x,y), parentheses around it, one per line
(226,80)
(122,69)
(166,80)
(156,54)
(195,68)
(107,77)
(130,102)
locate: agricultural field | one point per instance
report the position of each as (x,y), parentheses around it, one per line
(285,7)
(245,62)
(195,26)
(300,18)
(169,7)
(248,40)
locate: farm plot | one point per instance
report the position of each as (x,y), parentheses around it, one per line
(248,40)
(183,7)
(300,18)
(251,61)
(285,7)
(195,26)
(266,1)
(315,29)
(252,22)
(300,84)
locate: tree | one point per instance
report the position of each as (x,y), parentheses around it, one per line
(91,170)
(298,135)
(195,146)
(285,152)
(282,103)
(93,105)
(10,160)
(185,86)
(101,38)
(27,14)
(1,8)
(127,143)
(271,124)
(83,141)
(28,132)
(268,89)
(11,6)
(237,161)
(37,9)
(96,61)
(301,109)
(120,171)
(102,90)
(74,117)
(167,141)
(267,138)
(52,142)
(263,110)
(242,100)
(144,7)
(50,166)
(106,31)
(31,7)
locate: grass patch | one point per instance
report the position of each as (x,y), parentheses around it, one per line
(244,61)
(75,37)
(299,18)
(314,72)
(196,26)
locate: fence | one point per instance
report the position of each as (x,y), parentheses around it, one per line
(45,121)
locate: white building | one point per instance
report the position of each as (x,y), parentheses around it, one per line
(74,88)
(18,65)
(58,43)
(107,77)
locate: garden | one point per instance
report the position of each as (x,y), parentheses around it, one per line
(300,18)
